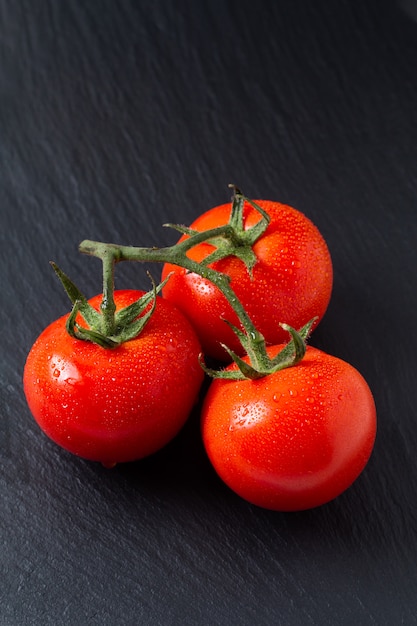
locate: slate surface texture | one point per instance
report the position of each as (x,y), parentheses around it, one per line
(116,117)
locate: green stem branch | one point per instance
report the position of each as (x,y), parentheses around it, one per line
(176,255)
(230,239)
(107,306)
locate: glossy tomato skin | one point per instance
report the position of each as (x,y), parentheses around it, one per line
(292,279)
(115,405)
(293,440)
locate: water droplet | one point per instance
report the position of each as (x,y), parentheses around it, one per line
(246,416)
(56,373)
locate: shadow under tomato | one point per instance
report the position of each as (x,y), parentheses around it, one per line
(182,461)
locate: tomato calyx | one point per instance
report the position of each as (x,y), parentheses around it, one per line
(260,363)
(107,328)
(235,240)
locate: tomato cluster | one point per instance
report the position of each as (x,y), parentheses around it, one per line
(287,438)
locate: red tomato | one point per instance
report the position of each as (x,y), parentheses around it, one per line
(121,404)
(292,440)
(292,279)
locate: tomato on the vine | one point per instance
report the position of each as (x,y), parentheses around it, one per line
(291,280)
(121,404)
(294,439)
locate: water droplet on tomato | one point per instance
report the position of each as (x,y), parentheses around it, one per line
(247,416)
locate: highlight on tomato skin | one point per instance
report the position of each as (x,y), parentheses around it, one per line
(115,405)
(295,439)
(291,281)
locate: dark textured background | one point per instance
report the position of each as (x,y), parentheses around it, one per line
(116,117)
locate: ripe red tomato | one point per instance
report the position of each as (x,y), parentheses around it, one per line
(292,440)
(118,404)
(292,279)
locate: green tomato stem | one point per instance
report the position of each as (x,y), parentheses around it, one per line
(227,240)
(176,255)
(107,306)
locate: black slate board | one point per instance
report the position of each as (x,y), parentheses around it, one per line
(118,117)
